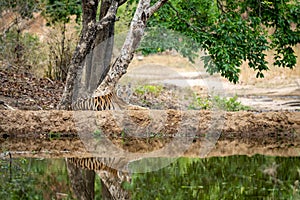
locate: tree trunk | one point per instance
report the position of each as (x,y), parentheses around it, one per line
(97,61)
(89,34)
(101,57)
(82,181)
(118,69)
(91,28)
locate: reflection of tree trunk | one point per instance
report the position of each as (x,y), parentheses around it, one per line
(106,168)
(82,181)
(105,192)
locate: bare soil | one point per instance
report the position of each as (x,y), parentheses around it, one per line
(66,133)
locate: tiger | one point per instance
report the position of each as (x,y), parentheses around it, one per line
(115,100)
(124,92)
(109,101)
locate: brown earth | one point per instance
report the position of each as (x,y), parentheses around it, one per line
(149,133)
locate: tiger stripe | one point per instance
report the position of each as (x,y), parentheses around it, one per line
(98,103)
(101,164)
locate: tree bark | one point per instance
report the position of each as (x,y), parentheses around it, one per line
(119,67)
(97,61)
(90,30)
(103,50)
(89,14)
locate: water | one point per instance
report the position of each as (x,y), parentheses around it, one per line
(233,177)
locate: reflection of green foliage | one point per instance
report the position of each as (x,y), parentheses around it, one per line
(33,179)
(53,135)
(149,89)
(235,177)
(218,102)
(98,188)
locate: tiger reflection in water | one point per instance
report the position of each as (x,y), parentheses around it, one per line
(108,169)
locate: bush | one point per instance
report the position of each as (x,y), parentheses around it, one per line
(61,46)
(20,49)
(218,102)
(149,89)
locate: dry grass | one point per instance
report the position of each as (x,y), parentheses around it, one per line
(276,75)
(177,62)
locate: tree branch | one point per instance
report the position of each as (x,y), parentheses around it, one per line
(134,36)
(109,17)
(89,11)
(156,6)
(121,2)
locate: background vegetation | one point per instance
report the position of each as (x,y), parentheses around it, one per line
(231,32)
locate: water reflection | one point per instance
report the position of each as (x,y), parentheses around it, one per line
(234,177)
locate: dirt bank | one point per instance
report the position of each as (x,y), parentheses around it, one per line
(65,133)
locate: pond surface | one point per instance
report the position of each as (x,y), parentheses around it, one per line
(232,177)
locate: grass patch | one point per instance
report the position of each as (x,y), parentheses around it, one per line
(149,89)
(54,136)
(222,103)
(97,133)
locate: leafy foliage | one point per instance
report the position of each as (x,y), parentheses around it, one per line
(61,47)
(149,89)
(230,104)
(23,7)
(60,11)
(231,32)
(20,50)
(218,102)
